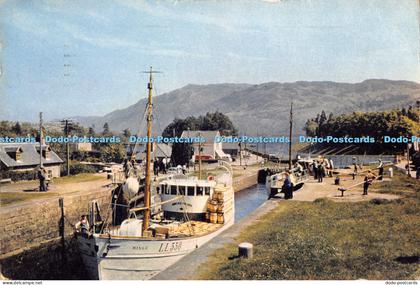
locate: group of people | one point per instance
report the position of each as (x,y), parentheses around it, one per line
(322,168)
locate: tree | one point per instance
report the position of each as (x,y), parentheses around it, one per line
(210,122)
(113,152)
(182,153)
(17,129)
(373,124)
(126,133)
(91,131)
(106,131)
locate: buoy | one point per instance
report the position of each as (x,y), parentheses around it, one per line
(246,250)
(131,187)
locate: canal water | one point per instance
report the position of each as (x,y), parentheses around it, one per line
(248,200)
(47,266)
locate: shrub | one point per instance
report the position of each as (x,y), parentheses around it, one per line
(19,175)
(80,168)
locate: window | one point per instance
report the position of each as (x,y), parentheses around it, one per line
(18,156)
(207,191)
(173,189)
(158,190)
(181,190)
(200,191)
(190,190)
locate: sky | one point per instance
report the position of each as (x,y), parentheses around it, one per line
(85,57)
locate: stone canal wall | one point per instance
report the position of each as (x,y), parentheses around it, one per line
(243,182)
(29,225)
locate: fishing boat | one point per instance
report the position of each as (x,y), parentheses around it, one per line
(187,212)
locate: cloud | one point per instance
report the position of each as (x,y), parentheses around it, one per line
(99,41)
(162,11)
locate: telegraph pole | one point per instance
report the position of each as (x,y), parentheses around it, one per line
(67,125)
(199,156)
(290,135)
(40,139)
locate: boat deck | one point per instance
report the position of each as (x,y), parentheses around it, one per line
(172,230)
(192,228)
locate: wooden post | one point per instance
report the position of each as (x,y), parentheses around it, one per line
(62,233)
(246,250)
(92,215)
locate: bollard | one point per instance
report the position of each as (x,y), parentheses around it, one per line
(391,172)
(246,250)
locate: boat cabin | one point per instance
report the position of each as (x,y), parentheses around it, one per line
(190,196)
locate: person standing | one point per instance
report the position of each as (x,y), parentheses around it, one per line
(315,169)
(321,172)
(42,177)
(331,168)
(288,186)
(381,169)
(354,165)
(156,167)
(368,181)
(82,226)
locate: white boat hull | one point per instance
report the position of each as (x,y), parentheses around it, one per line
(121,258)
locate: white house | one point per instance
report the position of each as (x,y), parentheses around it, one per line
(210,148)
(26,157)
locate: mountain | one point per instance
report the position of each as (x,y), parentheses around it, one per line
(264,108)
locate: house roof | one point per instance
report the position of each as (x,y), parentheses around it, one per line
(208,136)
(230,145)
(29,154)
(159,150)
(162,150)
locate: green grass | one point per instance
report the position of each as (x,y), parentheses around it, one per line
(78,178)
(324,240)
(7,198)
(14,197)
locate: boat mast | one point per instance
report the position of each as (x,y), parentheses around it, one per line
(290,135)
(147,188)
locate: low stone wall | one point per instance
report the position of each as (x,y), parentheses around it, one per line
(28,225)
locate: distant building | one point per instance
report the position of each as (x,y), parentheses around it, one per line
(210,148)
(25,157)
(76,147)
(231,148)
(160,151)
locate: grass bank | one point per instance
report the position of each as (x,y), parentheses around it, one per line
(325,240)
(78,178)
(7,198)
